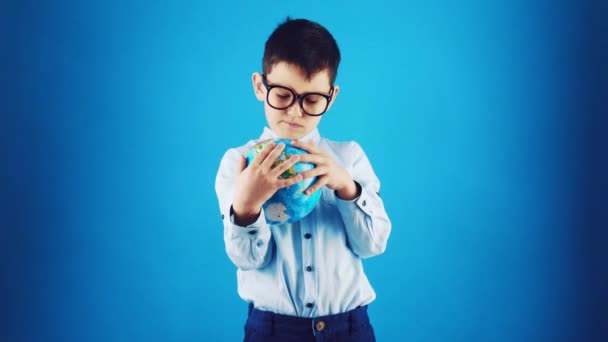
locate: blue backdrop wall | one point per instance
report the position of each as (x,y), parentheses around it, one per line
(472,113)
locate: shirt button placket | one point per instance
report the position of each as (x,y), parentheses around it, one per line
(310,291)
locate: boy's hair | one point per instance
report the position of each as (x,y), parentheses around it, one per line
(303,43)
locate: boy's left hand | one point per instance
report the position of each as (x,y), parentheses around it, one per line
(328,171)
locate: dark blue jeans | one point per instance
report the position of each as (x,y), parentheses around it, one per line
(264,326)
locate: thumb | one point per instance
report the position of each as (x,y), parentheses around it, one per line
(241,164)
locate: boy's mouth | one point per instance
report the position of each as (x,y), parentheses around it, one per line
(292,124)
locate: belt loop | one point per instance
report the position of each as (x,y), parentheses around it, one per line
(350,323)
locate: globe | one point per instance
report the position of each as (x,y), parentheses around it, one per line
(289,204)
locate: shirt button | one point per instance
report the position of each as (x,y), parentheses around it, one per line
(320,325)
(309,305)
(363,203)
(309,268)
(222,216)
(307,236)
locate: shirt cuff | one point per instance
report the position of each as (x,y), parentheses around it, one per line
(256,230)
(362,202)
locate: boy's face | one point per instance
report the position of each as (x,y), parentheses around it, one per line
(292,122)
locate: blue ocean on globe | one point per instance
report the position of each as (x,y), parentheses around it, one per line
(289,204)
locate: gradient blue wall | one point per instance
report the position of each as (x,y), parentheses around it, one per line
(117,115)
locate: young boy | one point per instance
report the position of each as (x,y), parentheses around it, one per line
(303,281)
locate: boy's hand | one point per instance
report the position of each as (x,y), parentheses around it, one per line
(328,171)
(256,183)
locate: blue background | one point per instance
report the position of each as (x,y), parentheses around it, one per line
(481,118)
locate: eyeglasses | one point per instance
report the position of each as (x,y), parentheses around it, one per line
(313,104)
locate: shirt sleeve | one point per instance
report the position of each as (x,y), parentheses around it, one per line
(366,222)
(248,247)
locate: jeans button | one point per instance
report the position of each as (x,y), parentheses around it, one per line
(320,325)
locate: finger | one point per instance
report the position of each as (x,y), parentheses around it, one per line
(313,158)
(259,159)
(321,181)
(317,171)
(284,166)
(283,183)
(268,162)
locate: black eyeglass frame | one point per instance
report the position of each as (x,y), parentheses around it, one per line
(295,97)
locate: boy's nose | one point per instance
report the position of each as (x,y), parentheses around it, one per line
(295,110)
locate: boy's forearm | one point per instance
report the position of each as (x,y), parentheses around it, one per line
(249,248)
(367,224)
(248,241)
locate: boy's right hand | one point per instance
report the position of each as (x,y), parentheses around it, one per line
(256,183)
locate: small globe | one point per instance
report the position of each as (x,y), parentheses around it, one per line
(289,204)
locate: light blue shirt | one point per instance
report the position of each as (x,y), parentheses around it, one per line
(312,267)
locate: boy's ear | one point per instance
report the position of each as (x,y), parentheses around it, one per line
(334,95)
(258,86)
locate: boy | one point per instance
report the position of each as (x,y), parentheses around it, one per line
(303,281)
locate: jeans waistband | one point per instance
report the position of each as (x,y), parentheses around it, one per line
(267,320)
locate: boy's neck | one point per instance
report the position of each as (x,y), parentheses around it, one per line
(312,135)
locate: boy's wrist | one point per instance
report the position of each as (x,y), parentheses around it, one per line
(244,216)
(350,192)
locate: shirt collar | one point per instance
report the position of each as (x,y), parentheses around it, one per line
(313,135)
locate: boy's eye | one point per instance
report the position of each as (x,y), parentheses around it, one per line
(281,94)
(312,99)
